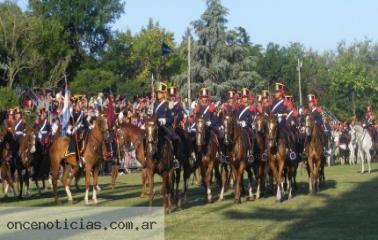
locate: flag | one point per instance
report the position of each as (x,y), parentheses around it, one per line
(110,113)
(66,111)
(165,49)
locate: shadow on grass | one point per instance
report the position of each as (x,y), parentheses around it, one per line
(351,215)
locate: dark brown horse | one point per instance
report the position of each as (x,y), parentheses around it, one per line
(206,150)
(315,153)
(277,145)
(93,154)
(236,137)
(5,168)
(127,134)
(159,159)
(259,165)
(24,159)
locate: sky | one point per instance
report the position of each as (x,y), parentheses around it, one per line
(318,24)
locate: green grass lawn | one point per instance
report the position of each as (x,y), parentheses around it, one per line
(346,208)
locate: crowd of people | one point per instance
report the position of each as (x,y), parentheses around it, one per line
(170,112)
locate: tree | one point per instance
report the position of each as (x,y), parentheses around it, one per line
(87,22)
(221,58)
(19,42)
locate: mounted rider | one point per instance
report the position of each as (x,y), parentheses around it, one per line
(162,112)
(231,105)
(369,122)
(266,102)
(77,129)
(245,115)
(280,109)
(19,125)
(205,109)
(43,128)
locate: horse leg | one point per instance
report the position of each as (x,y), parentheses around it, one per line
(20,177)
(144,184)
(66,182)
(176,178)
(237,175)
(186,182)
(96,170)
(223,181)
(209,175)
(114,174)
(27,182)
(250,183)
(361,155)
(368,159)
(291,179)
(88,169)
(151,185)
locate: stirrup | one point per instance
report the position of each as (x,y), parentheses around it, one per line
(264,157)
(292,155)
(250,157)
(176,163)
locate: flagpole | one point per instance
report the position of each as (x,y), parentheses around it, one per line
(189,70)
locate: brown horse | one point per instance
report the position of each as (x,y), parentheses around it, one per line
(93,154)
(315,153)
(277,144)
(236,137)
(126,134)
(5,168)
(259,164)
(24,158)
(57,154)
(159,159)
(206,150)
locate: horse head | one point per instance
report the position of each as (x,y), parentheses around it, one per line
(272,125)
(309,124)
(260,123)
(200,132)
(228,123)
(151,135)
(27,147)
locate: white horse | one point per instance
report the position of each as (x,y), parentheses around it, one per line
(352,149)
(364,145)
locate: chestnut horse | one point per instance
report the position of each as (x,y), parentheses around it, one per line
(259,152)
(126,134)
(277,144)
(206,150)
(159,158)
(236,137)
(93,154)
(57,154)
(24,159)
(315,153)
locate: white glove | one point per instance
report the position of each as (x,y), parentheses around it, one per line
(162,121)
(208,123)
(243,124)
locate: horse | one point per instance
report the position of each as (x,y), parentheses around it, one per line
(129,134)
(277,145)
(259,152)
(206,150)
(93,154)
(5,168)
(24,159)
(364,144)
(315,153)
(237,138)
(8,148)
(57,154)
(41,163)
(159,159)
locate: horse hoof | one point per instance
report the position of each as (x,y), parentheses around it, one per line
(95,201)
(251,198)
(141,195)
(209,201)
(86,202)
(237,201)
(220,199)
